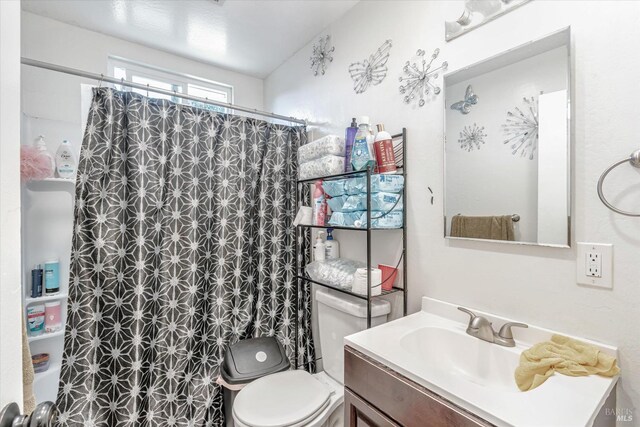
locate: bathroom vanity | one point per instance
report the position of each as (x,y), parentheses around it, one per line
(425,370)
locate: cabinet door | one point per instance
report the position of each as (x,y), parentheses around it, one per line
(359,413)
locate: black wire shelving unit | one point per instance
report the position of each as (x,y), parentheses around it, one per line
(399,142)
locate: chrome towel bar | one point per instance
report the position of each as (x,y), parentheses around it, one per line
(634,160)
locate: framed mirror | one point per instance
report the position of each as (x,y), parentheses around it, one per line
(507,146)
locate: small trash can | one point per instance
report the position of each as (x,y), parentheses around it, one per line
(248,360)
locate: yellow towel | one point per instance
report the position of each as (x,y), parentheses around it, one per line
(564,355)
(483,227)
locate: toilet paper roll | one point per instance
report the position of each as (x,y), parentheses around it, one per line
(360,281)
(304,216)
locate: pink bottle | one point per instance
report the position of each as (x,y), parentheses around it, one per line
(319,205)
(52,316)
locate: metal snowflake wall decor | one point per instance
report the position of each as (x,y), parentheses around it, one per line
(322,55)
(419,77)
(521,129)
(371,71)
(472,137)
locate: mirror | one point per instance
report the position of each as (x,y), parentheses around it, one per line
(507,146)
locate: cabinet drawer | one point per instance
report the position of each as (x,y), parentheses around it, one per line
(402,400)
(359,413)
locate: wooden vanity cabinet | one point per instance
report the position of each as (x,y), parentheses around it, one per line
(376,396)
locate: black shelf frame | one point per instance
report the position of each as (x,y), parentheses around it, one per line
(303,280)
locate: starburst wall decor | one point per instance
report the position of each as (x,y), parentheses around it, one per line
(472,137)
(322,55)
(521,129)
(420,79)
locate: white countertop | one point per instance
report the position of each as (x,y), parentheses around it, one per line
(561,401)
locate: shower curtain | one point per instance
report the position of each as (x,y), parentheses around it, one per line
(183,244)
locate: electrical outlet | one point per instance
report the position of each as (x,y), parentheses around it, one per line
(595,264)
(593,267)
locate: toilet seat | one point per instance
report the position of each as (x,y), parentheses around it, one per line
(285,399)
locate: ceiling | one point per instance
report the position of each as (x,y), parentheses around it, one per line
(248,36)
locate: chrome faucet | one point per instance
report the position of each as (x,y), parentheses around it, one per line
(481,328)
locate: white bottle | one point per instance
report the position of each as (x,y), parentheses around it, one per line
(332,247)
(65,162)
(319,248)
(42,146)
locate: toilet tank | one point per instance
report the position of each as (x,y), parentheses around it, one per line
(340,315)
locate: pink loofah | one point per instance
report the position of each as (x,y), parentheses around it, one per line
(34,164)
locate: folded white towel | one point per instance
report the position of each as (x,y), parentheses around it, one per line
(360,281)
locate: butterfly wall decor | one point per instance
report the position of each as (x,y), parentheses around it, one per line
(464,106)
(371,71)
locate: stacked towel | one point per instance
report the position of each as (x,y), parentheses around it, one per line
(564,355)
(483,227)
(28,375)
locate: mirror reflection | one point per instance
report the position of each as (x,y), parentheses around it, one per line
(507,146)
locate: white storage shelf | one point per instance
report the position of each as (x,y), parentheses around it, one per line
(45,298)
(46,336)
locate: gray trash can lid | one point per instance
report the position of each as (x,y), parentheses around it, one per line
(253,358)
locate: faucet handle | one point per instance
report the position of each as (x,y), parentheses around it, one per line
(469,312)
(505,330)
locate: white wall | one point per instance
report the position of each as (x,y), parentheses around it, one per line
(10,289)
(533,284)
(491,180)
(57,96)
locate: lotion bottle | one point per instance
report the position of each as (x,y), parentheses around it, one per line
(332,247)
(65,162)
(319,248)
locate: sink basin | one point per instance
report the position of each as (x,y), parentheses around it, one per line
(432,348)
(457,353)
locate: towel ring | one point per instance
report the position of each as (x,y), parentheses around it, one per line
(634,160)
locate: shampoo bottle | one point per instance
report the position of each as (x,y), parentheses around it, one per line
(319,204)
(42,146)
(65,162)
(319,249)
(360,153)
(332,247)
(385,157)
(350,136)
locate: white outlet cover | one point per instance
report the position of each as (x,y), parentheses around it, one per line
(606,273)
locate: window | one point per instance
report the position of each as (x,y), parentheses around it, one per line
(174,82)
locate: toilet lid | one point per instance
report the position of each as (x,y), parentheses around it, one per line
(283,399)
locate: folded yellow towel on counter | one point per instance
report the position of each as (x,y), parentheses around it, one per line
(565,356)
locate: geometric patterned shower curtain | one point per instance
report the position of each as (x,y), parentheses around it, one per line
(183,244)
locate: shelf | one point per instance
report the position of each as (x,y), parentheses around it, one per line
(54,180)
(347,175)
(337,227)
(344,291)
(46,336)
(45,298)
(54,368)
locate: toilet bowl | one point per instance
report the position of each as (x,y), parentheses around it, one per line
(298,398)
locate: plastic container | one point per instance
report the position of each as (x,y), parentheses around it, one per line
(42,146)
(40,362)
(52,316)
(36,281)
(319,205)
(389,275)
(52,277)
(35,319)
(350,135)
(248,360)
(361,152)
(385,157)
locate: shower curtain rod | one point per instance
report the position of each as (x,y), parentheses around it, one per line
(103,78)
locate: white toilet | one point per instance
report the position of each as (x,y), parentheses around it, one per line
(297,398)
